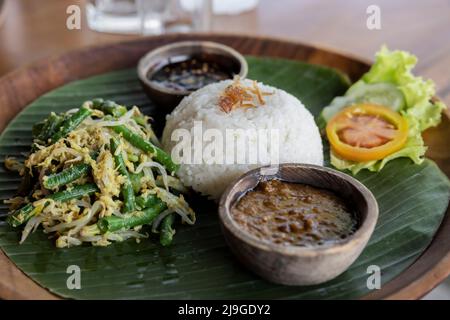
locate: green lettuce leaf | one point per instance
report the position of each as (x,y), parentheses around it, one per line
(393,70)
(395,67)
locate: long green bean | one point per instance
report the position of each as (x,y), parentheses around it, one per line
(130,220)
(23,214)
(136,181)
(167,232)
(136,140)
(127,187)
(54,125)
(109,107)
(74,193)
(148,201)
(51,126)
(42,131)
(71,123)
(37,128)
(66,176)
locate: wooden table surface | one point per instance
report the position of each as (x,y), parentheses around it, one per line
(35,29)
(31,30)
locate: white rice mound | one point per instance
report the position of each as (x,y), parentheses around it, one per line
(299,137)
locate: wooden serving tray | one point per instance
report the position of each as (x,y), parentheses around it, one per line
(22,86)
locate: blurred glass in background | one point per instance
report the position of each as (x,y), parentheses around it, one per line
(159,16)
(148,16)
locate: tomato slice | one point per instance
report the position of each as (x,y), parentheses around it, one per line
(366,132)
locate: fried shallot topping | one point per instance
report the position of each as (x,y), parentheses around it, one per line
(237,95)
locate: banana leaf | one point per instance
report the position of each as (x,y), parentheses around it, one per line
(412,200)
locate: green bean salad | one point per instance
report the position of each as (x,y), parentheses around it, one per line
(97,175)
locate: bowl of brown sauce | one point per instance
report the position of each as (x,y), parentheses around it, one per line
(173,71)
(300,225)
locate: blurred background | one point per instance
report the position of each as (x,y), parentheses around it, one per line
(31,29)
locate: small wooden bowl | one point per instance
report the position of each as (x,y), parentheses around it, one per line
(167,99)
(294,265)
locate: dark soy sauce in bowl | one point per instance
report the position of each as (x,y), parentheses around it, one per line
(192,72)
(175,70)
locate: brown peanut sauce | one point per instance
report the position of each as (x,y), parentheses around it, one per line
(294,214)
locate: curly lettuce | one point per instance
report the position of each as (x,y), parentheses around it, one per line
(390,82)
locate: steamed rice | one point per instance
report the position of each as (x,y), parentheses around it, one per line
(299,138)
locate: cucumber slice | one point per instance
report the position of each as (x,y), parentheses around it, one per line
(384,94)
(335,106)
